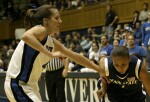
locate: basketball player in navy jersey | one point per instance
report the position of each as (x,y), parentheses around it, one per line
(126,74)
(34,51)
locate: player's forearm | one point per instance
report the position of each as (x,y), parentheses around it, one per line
(87,63)
(77,57)
(104,86)
(81,60)
(66,63)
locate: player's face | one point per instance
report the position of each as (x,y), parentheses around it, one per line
(121,64)
(54,21)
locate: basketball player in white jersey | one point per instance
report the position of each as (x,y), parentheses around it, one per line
(33,52)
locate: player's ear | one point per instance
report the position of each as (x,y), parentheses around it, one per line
(45,21)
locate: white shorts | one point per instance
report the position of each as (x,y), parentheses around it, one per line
(18,91)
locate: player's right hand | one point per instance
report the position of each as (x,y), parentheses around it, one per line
(103,76)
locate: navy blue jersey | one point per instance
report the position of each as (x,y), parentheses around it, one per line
(124,87)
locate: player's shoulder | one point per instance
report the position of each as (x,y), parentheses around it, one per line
(134,59)
(39,28)
(104,60)
(39,32)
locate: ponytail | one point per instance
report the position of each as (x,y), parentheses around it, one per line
(35,16)
(29,17)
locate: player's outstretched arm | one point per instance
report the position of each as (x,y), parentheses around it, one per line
(76,57)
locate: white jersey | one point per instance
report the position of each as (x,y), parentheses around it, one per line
(27,63)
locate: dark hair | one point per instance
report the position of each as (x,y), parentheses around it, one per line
(146,4)
(35,16)
(132,36)
(120,51)
(73,42)
(138,22)
(96,44)
(136,11)
(89,37)
(117,40)
(105,36)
